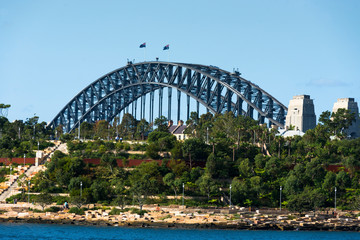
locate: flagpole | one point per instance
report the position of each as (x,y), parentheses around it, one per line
(144,54)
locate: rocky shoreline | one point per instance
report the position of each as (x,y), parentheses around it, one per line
(189,219)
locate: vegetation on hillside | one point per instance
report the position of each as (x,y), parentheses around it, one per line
(223,150)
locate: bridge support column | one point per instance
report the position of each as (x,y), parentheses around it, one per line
(188,108)
(197,108)
(169,102)
(160,101)
(143,106)
(178,103)
(151,113)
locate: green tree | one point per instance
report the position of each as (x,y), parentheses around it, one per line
(240,190)
(109,161)
(194,149)
(308,200)
(329,182)
(100,190)
(143,127)
(128,126)
(337,122)
(207,185)
(102,129)
(152,151)
(43,200)
(141,187)
(77,200)
(145,180)
(4,109)
(121,192)
(86,130)
(245,168)
(161,124)
(175,183)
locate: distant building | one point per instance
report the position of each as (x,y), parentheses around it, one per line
(301,113)
(178,130)
(349,103)
(289,133)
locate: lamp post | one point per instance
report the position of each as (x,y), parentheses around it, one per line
(230,196)
(80,189)
(24,159)
(335,198)
(280,196)
(38,145)
(10,172)
(183,194)
(29,191)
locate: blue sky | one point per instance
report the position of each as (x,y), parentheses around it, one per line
(51,50)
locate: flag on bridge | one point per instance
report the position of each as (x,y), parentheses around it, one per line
(143,45)
(166,47)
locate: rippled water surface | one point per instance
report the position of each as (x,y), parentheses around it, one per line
(44,231)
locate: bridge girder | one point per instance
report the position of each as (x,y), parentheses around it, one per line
(214,88)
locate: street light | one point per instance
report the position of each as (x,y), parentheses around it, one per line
(38,146)
(10,172)
(335,198)
(280,197)
(80,189)
(230,196)
(24,159)
(183,194)
(29,192)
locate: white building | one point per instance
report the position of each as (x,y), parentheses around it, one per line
(349,104)
(301,113)
(178,130)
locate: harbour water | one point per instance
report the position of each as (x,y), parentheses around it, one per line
(61,232)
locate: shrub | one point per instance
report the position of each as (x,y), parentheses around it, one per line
(126,146)
(115,211)
(137,156)
(35,210)
(78,211)
(137,211)
(52,209)
(60,200)
(19,197)
(138,147)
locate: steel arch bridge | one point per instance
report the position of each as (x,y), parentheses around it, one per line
(217,90)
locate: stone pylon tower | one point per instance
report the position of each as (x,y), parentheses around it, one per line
(350,104)
(301,113)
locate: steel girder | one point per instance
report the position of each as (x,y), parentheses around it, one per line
(218,90)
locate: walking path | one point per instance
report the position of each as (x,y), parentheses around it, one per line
(13,181)
(13,185)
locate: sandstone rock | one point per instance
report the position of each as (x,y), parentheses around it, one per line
(23,214)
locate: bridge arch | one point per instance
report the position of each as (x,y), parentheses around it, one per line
(216,89)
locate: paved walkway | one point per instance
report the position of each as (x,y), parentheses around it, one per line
(12,188)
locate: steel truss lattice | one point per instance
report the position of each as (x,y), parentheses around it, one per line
(218,90)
